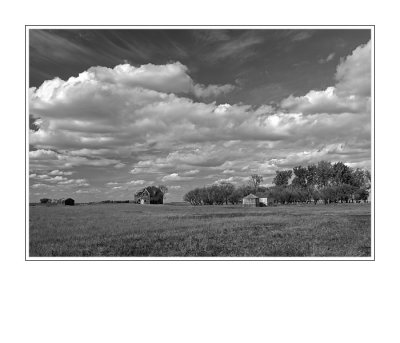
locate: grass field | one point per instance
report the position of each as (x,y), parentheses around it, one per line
(168,230)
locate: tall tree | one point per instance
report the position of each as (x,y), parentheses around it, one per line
(324,174)
(255,181)
(341,174)
(300,177)
(164,190)
(282,177)
(311,176)
(226,189)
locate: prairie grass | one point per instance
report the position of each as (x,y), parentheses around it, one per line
(168,230)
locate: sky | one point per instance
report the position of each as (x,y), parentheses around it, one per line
(112,111)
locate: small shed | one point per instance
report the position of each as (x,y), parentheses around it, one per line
(69,202)
(251,201)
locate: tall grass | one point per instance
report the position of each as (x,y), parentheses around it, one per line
(166,230)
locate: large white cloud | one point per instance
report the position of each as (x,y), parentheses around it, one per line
(143,117)
(354,72)
(350,94)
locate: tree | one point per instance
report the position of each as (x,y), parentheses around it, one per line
(226,189)
(341,173)
(282,177)
(311,176)
(324,174)
(361,178)
(193,196)
(164,190)
(361,194)
(300,177)
(235,197)
(255,181)
(156,196)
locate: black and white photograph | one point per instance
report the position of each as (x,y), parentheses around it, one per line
(195,172)
(198,142)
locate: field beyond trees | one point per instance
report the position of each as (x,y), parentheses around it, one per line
(171,230)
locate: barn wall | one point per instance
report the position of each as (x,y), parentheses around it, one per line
(251,202)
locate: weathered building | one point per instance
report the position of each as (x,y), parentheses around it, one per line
(69,202)
(149,195)
(142,197)
(266,200)
(251,201)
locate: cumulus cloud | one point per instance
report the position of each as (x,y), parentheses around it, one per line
(191,172)
(202,91)
(233,180)
(43,159)
(75,182)
(136,182)
(228,171)
(112,183)
(175,177)
(145,118)
(174,187)
(60,172)
(326,101)
(350,94)
(353,74)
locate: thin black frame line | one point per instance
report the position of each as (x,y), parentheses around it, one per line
(194,26)
(374,151)
(200,260)
(25,85)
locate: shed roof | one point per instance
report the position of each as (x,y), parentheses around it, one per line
(250,196)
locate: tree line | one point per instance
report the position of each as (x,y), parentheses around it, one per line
(326,181)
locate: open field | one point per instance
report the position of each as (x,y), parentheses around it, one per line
(167,230)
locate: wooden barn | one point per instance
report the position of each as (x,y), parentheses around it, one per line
(251,201)
(142,197)
(69,202)
(149,195)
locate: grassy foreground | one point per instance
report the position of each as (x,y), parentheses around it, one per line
(167,230)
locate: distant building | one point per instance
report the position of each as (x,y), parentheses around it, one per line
(266,199)
(251,201)
(69,202)
(142,197)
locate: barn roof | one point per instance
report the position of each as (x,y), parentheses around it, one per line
(250,196)
(142,192)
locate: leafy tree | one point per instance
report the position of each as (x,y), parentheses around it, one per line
(361,194)
(341,173)
(206,196)
(255,181)
(164,190)
(324,174)
(282,177)
(235,197)
(311,175)
(193,196)
(361,178)
(226,190)
(300,177)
